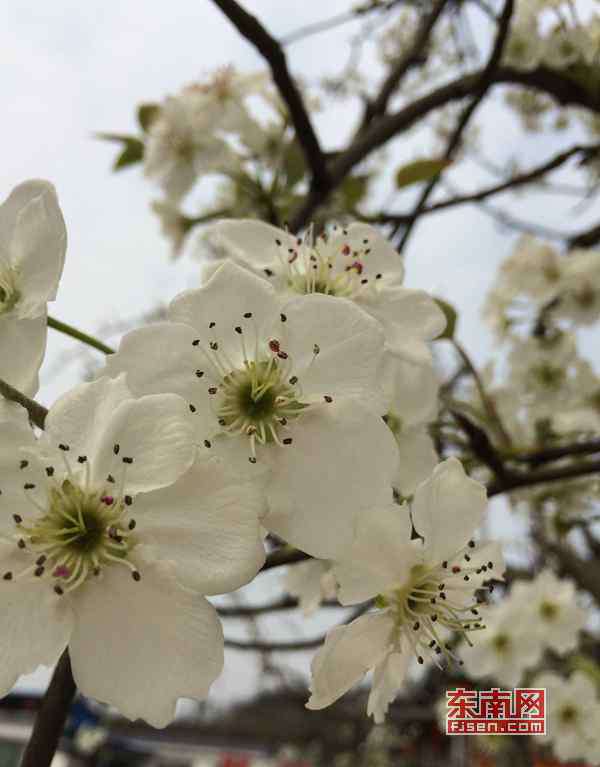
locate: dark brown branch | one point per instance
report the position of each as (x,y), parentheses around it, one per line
(284,556)
(517,180)
(552,82)
(37,412)
(480,91)
(412,58)
(51,717)
(258,646)
(515,481)
(536,457)
(251,611)
(270,49)
(586,239)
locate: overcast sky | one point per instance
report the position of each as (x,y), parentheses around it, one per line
(71,69)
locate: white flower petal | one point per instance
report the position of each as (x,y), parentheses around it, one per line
(160,358)
(38,245)
(388,678)
(207,525)
(16,442)
(417,459)
(140,646)
(230,293)
(35,623)
(23,344)
(447,509)
(412,389)
(348,653)
(342,461)
(350,344)
(382,257)
(78,418)
(410,318)
(380,557)
(252,243)
(156,432)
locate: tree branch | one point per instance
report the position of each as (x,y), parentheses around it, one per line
(251,611)
(586,239)
(412,57)
(518,180)
(51,718)
(480,91)
(283,556)
(270,49)
(293,646)
(546,455)
(515,481)
(552,82)
(37,412)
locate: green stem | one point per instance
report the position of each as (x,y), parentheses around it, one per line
(68,330)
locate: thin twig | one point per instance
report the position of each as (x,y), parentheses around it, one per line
(516,481)
(37,412)
(480,91)
(51,717)
(546,455)
(270,49)
(284,556)
(79,335)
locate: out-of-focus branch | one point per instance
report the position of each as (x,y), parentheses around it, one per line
(515,481)
(546,455)
(37,412)
(51,718)
(251,611)
(520,179)
(586,239)
(480,91)
(284,556)
(585,572)
(412,57)
(251,28)
(551,82)
(293,646)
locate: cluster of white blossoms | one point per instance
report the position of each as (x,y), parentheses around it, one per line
(573,716)
(289,393)
(549,33)
(538,615)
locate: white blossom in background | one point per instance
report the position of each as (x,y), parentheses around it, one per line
(572,717)
(291,388)
(354,262)
(108,521)
(311,582)
(554,614)
(33,242)
(580,296)
(507,647)
(424,588)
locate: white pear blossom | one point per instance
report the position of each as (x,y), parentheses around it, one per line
(292,388)
(355,263)
(573,714)
(311,582)
(580,297)
(182,145)
(413,389)
(551,604)
(507,647)
(32,253)
(111,534)
(424,588)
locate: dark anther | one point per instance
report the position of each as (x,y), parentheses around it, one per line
(28,486)
(214,346)
(128,500)
(268,272)
(110,478)
(434,618)
(132,524)
(21,543)
(420,660)
(416,626)
(466,578)
(293,380)
(471,544)
(63,447)
(81,458)
(212,390)
(327,398)
(38,572)
(287,441)
(283,317)
(50,470)
(23,464)
(238,329)
(252,459)
(444,564)
(192,408)
(199,373)
(7,576)
(127,459)
(18,518)
(206,443)
(196,342)
(116,449)
(136,576)
(40,560)
(58,590)
(211,325)
(247,315)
